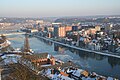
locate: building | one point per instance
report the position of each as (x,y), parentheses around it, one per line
(46,29)
(36,60)
(41,29)
(87,26)
(115,34)
(97,28)
(30,21)
(6,24)
(68,28)
(50,29)
(108,27)
(30,30)
(33,30)
(91,31)
(39,21)
(56,24)
(1,24)
(74,28)
(59,31)
(50,34)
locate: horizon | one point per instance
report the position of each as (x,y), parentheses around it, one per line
(58,8)
(101,16)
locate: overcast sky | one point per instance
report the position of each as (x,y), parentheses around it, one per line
(53,8)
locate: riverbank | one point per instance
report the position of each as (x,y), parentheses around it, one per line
(74,47)
(103,65)
(66,71)
(5,44)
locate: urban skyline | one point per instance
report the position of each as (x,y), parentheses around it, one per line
(56,8)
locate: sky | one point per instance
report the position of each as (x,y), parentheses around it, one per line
(56,8)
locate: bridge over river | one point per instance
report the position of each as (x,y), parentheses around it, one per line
(14,33)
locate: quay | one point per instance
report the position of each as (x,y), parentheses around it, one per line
(77,48)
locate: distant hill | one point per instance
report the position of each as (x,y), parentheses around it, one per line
(98,19)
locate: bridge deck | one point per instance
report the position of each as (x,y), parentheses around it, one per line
(7,34)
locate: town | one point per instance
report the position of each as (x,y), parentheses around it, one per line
(85,34)
(59,39)
(102,36)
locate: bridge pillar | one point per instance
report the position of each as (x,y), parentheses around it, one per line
(1,74)
(56,47)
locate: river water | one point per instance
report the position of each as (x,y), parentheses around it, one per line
(103,65)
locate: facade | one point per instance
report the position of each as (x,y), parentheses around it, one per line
(6,24)
(68,28)
(56,31)
(108,27)
(46,29)
(98,28)
(49,34)
(39,21)
(91,31)
(36,60)
(41,29)
(50,29)
(74,28)
(30,21)
(1,24)
(59,31)
(34,30)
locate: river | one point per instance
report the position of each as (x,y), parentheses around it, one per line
(103,65)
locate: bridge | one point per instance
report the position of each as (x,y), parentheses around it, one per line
(15,33)
(77,48)
(19,39)
(5,53)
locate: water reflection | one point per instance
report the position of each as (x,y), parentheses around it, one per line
(108,66)
(46,42)
(113,61)
(103,65)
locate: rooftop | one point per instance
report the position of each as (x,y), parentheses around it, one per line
(36,56)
